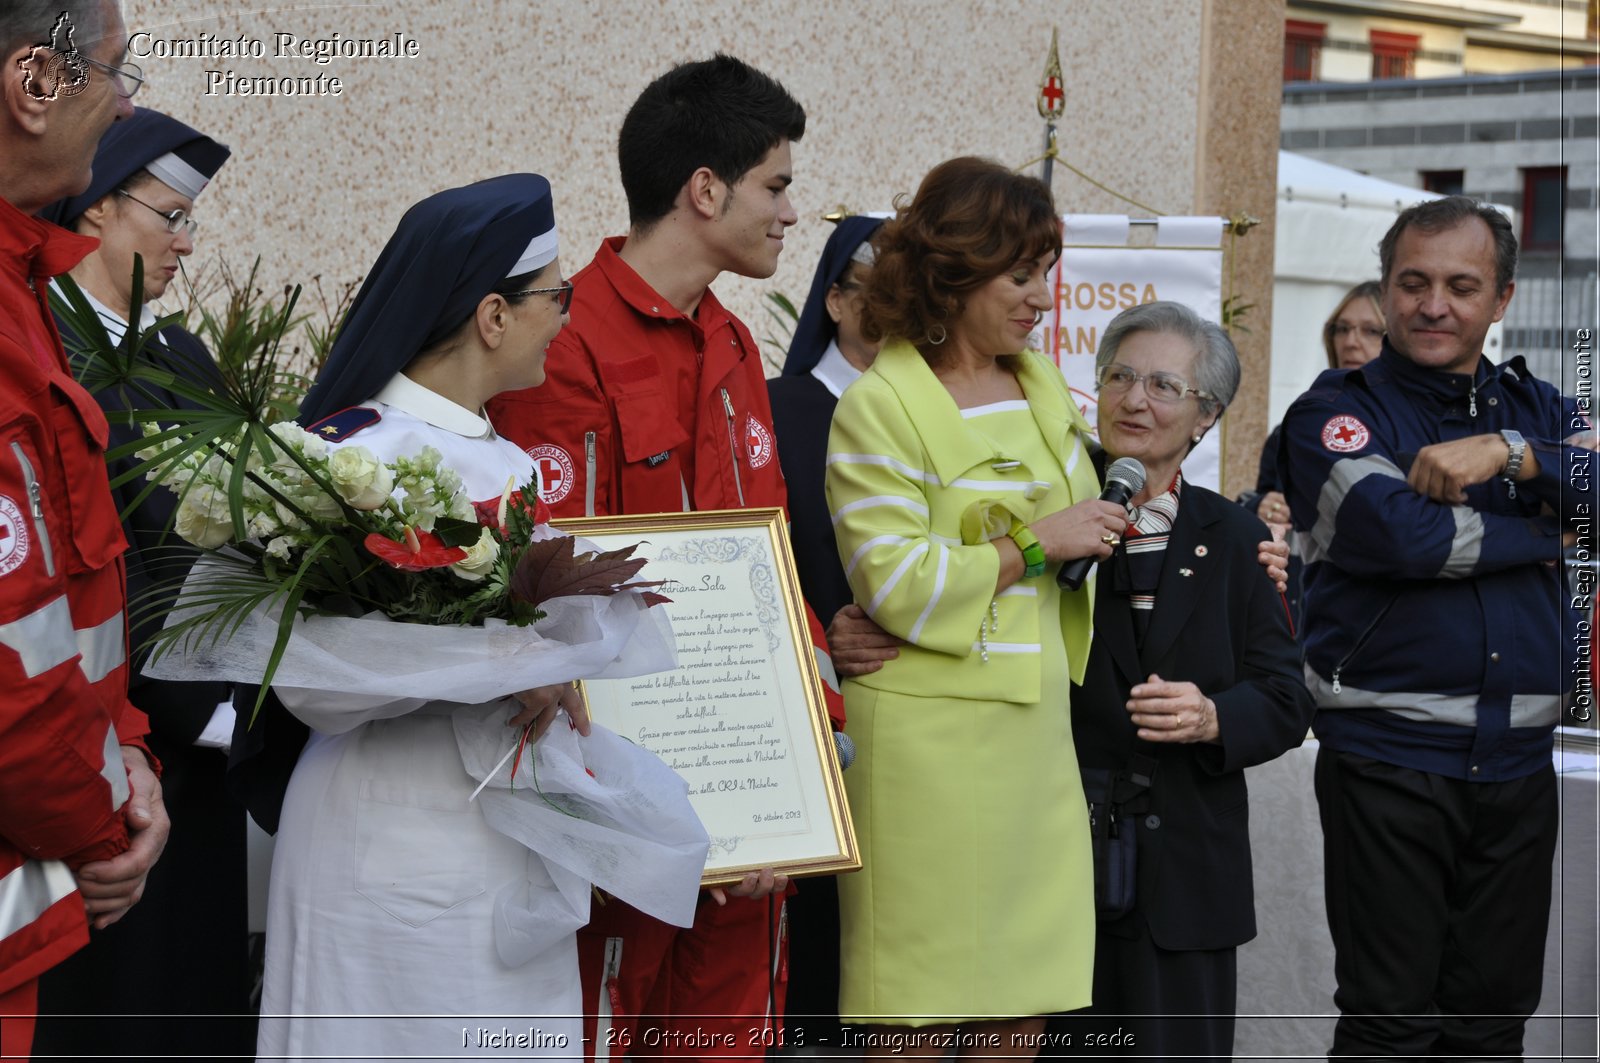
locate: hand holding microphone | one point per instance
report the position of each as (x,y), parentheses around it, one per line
(1124,479)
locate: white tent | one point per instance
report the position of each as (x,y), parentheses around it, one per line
(1329,223)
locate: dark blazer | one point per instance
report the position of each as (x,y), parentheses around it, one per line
(1220,624)
(802,415)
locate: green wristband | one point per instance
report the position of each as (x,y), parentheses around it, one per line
(1032,553)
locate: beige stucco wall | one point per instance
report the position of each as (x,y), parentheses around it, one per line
(892,87)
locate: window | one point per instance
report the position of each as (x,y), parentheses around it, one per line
(1544,193)
(1444,182)
(1302,49)
(1394,55)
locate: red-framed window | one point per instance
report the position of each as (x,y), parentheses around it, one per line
(1394,55)
(1302,49)
(1544,195)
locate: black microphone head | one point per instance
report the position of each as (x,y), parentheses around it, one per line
(1126,477)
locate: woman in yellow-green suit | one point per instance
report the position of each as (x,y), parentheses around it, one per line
(959,482)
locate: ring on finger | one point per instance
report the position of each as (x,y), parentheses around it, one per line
(1110,539)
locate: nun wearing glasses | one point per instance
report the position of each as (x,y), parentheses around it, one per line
(409,917)
(149,172)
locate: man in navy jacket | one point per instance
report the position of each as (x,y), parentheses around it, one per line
(1435,492)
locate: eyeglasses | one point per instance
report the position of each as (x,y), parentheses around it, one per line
(1342,329)
(128,78)
(565,298)
(175,219)
(1162,387)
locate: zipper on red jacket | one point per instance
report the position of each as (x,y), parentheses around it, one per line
(36,508)
(733,446)
(588,474)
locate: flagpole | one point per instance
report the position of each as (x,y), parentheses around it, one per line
(1052,103)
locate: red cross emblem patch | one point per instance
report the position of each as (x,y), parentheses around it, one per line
(555,472)
(1344,434)
(758,441)
(13,537)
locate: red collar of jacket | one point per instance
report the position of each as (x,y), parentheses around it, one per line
(33,249)
(708,317)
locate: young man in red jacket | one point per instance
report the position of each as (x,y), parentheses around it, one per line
(81,818)
(656,401)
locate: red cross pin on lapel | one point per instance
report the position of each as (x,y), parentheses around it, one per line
(1201,551)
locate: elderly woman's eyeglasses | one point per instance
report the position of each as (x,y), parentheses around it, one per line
(1162,387)
(175,219)
(128,78)
(565,298)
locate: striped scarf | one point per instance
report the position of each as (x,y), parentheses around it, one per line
(1136,566)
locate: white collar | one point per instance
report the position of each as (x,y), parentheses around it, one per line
(407,395)
(834,370)
(116,324)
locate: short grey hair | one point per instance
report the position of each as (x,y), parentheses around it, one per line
(28,22)
(1436,215)
(1216,363)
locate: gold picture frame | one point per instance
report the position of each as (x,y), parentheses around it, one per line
(742,719)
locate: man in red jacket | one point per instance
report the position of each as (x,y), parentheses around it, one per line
(81,817)
(656,401)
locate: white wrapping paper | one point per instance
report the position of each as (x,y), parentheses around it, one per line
(628,827)
(581,637)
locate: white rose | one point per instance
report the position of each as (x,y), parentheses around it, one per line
(480,558)
(298,439)
(261,524)
(362,480)
(203,518)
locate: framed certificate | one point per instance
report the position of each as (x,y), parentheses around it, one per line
(742,718)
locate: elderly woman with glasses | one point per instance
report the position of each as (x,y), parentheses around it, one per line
(1193,676)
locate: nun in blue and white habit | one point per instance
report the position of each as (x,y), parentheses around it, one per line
(826,355)
(149,172)
(397,890)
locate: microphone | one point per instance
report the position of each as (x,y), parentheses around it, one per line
(1124,479)
(846,748)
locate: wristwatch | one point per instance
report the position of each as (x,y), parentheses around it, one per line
(1516,448)
(1032,552)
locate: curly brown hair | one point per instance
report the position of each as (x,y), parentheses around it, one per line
(970,221)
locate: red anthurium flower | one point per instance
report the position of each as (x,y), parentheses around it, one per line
(421,550)
(489,512)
